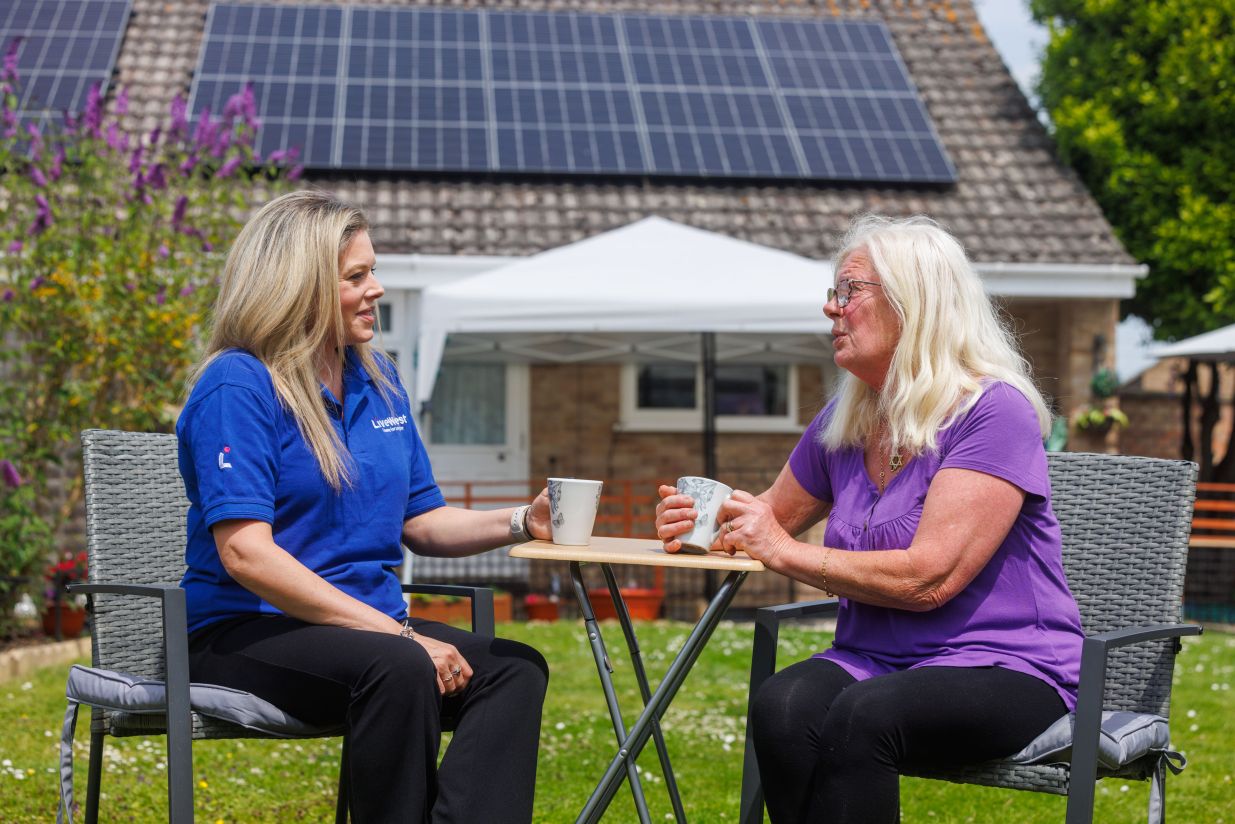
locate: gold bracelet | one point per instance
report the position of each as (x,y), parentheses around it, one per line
(823,571)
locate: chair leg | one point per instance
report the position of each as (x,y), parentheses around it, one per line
(340,810)
(762,666)
(95,777)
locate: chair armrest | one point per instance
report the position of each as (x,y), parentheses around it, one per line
(1094,652)
(175,654)
(1135,635)
(800,609)
(481,598)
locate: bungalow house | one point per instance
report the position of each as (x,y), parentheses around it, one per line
(477,134)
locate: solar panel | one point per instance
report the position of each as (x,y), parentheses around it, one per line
(66,47)
(485,91)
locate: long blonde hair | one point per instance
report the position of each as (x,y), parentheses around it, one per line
(952,339)
(279,301)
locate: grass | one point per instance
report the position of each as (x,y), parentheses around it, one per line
(280,781)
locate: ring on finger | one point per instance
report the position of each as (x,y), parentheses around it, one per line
(448,677)
(456,671)
(728,526)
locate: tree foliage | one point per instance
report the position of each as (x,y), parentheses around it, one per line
(109,250)
(1142,100)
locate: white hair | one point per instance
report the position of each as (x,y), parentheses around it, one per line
(952,339)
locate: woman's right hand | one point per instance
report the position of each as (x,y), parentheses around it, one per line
(453,671)
(675,516)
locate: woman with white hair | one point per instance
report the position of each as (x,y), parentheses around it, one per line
(957,639)
(305,474)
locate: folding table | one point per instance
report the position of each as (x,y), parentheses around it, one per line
(641,552)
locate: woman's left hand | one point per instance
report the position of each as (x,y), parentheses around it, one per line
(749,524)
(538,519)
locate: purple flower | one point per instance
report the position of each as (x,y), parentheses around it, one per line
(155,134)
(57,164)
(117,140)
(36,174)
(36,141)
(207,246)
(122,102)
(203,135)
(189,164)
(157,178)
(37,282)
(130,287)
(10,59)
(8,296)
(164,252)
(228,168)
(296,172)
(182,203)
(12,478)
(161,296)
(135,161)
(15,247)
(42,218)
(180,121)
(10,122)
(187,290)
(93,116)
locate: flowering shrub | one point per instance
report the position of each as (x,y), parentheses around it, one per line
(69,569)
(109,247)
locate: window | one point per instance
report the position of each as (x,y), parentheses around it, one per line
(469,404)
(749,397)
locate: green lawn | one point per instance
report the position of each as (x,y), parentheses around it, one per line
(280,781)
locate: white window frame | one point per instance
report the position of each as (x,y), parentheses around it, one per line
(634,419)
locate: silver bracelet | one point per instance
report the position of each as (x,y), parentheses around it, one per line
(518,523)
(407,631)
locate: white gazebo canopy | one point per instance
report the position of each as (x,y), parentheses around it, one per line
(1218,345)
(653,276)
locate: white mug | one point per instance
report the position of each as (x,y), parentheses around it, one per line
(572,510)
(708,496)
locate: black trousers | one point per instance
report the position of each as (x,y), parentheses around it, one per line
(382,688)
(830,747)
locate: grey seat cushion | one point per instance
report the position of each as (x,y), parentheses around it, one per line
(130,694)
(1125,738)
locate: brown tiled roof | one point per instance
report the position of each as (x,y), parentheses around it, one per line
(1013,202)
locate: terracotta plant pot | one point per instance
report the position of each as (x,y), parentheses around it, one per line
(449,610)
(72,620)
(642,604)
(540,608)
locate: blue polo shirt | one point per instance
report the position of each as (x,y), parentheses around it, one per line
(242,456)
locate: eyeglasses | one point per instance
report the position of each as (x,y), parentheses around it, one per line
(846,289)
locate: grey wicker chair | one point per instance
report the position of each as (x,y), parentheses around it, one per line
(135,524)
(1125,523)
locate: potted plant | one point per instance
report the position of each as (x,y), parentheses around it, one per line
(540,607)
(64,616)
(1098,420)
(455,609)
(643,603)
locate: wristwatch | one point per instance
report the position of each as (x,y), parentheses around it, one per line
(518,523)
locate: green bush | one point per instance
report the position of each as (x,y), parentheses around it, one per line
(109,247)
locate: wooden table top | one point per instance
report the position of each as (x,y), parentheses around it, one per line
(640,551)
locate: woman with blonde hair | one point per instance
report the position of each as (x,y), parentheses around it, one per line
(940,541)
(305,474)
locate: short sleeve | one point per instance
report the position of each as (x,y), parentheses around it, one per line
(230,435)
(423,493)
(808,461)
(999,436)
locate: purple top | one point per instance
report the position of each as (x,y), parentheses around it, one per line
(1018,613)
